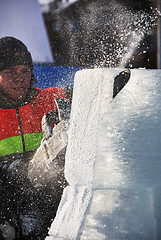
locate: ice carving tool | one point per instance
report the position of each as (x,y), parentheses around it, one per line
(120,81)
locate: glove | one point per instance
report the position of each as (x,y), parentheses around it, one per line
(7,231)
(47,164)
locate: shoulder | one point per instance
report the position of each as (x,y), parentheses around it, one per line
(53,92)
(47,96)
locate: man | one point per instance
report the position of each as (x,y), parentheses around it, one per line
(31,183)
(25,210)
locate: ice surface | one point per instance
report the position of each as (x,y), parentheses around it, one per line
(84,123)
(113,159)
(131,123)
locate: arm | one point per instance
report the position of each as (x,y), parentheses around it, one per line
(47,165)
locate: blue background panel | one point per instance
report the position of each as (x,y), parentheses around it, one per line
(49,75)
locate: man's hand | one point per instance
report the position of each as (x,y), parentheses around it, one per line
(47,165)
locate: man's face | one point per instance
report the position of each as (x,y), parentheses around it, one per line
(15,81)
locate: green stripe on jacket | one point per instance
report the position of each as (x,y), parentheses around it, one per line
(14,144)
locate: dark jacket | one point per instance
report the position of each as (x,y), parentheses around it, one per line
(28,209)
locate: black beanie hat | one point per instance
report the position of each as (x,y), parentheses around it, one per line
(13,52)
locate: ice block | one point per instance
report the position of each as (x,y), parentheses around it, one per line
(113,159)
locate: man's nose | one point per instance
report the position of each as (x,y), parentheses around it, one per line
(18,78)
